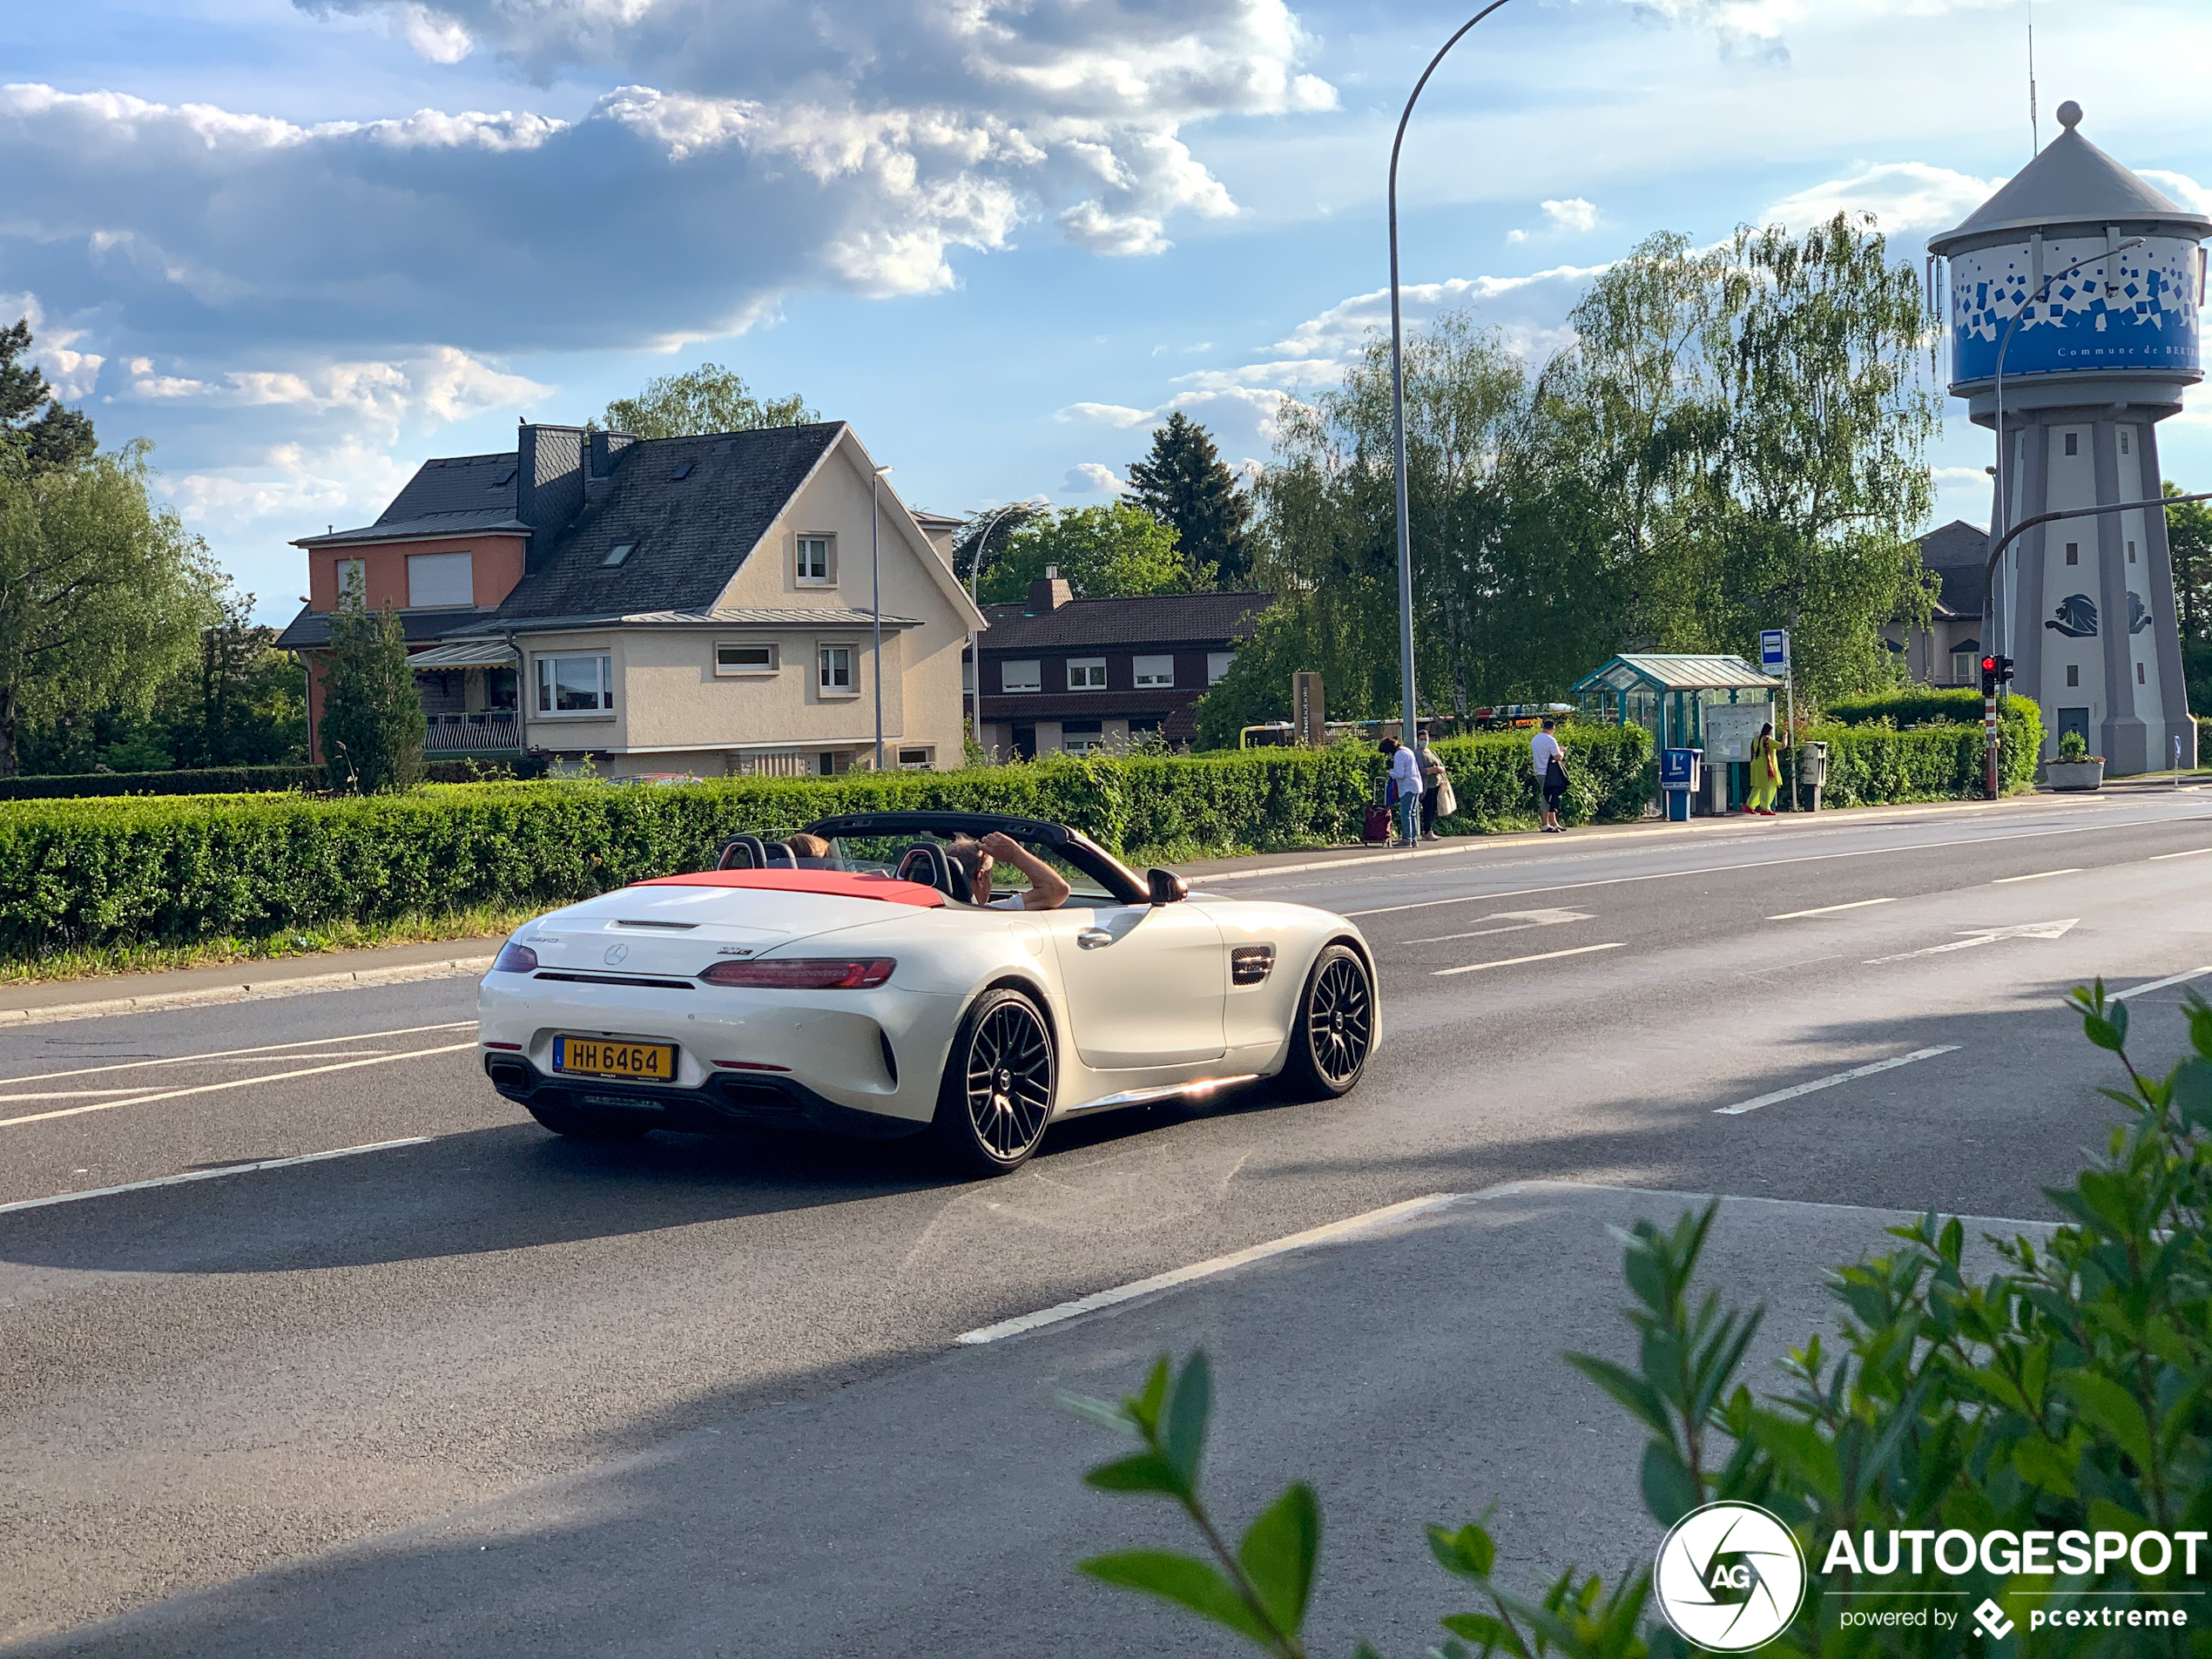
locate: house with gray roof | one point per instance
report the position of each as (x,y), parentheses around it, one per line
(738,603)
(1948,652)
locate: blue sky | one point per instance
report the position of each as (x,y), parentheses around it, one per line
(303,246)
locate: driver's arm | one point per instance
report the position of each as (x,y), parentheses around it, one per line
(1048,888)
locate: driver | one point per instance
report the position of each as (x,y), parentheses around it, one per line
(974,859)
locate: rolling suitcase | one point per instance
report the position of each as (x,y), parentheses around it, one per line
(1374,827)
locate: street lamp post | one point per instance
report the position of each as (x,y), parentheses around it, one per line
(1397,397)
(974,579)
(875,598)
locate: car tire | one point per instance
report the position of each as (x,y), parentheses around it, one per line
(996,1097)
(1333,1031)
(561,1116)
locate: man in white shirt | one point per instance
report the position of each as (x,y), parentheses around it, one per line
(1543,749)
(1404,790)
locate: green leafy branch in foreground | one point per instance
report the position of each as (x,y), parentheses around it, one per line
(2071,1389)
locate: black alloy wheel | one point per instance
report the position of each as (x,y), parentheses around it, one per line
(1335,1029)
(997,1095)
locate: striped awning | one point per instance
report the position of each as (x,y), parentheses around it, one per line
(465,653)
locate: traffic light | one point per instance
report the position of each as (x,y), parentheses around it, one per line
(2003,671)
(1989,676)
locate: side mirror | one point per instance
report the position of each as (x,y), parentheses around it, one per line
(1165,886)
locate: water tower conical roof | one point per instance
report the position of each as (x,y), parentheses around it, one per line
(2071,182)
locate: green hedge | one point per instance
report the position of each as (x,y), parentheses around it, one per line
(86,873)
(1870,766)
(1911,705)
(234,780)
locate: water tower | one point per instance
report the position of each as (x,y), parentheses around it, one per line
(2098,356)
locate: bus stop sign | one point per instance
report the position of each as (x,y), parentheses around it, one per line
(1774,650)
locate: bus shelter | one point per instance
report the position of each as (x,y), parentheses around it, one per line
(1668,694)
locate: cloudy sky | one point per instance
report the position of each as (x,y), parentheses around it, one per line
(302,244)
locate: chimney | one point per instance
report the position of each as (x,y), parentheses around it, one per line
(1049,594)
(601,459)
(548,475)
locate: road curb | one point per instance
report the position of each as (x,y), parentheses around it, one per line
(250,991)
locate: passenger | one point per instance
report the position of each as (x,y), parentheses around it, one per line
(974,861)
(811,852)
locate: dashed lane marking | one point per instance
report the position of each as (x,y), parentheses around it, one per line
(211,1175)
(1829,909)
(1515,961)
(2158,984)
(2037,875)
(2192,853)
(233,1054)
(1817,1083)
(235,1083)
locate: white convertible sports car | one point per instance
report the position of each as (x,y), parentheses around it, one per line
(859,985)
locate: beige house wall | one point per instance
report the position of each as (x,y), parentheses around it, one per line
(674,713)
(917,582)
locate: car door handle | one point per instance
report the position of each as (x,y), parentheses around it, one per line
(1092,938)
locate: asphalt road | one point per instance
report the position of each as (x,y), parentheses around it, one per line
(485,1392)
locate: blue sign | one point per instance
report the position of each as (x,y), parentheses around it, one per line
(1774,650)
(1678,769)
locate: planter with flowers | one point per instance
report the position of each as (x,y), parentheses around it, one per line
(2075,768)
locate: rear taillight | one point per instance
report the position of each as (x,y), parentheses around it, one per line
(514,959)
(804,973)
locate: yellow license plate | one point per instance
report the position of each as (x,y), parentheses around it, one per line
(645,1062)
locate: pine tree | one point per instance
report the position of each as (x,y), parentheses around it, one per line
(1184,484)
(34,423)
(373,727)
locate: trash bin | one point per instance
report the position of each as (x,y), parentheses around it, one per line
(1816,764)
(1678,780)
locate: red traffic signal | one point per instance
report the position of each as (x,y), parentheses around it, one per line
(1989,676)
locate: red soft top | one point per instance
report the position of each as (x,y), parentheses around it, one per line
(843,884)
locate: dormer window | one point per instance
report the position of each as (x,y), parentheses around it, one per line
(506,477)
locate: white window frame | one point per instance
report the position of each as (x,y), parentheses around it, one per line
(1965,666)
(1217,666)
(1087,666)
(422,561)
(357,567)
(917,758)
(851,688)
(545,674)
(746,671)
(1021,676)
(1153,672)
(802,566)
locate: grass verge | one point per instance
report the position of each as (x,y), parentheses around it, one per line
(302,943)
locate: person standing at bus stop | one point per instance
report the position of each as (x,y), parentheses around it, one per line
(1766,771)
(1549,761)
(1404,790)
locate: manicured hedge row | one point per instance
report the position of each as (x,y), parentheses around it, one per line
(1911,705)
(231,780)
(1868,765)
(180,871)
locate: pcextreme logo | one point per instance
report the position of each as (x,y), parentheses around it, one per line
(1730,1578)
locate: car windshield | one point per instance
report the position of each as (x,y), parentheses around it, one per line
(881,853)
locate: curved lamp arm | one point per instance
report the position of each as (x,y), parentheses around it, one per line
(1398,395)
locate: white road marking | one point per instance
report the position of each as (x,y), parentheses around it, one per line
(1515,922)
(1515,961)
(2038,875)
(2191,853)
(211,1175)
(1986,936)
(2158,984)
(234,1054)
(235,1083)
(1741,1107)
(1723,869)
(1174,1276)
(1829,909)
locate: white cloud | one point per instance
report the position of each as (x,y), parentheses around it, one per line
(1571,217)
(1092,478)
(439,39)
(2182,189)
(1902,196)
(1116,415)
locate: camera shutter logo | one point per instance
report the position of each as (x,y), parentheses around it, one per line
(1730,1578)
